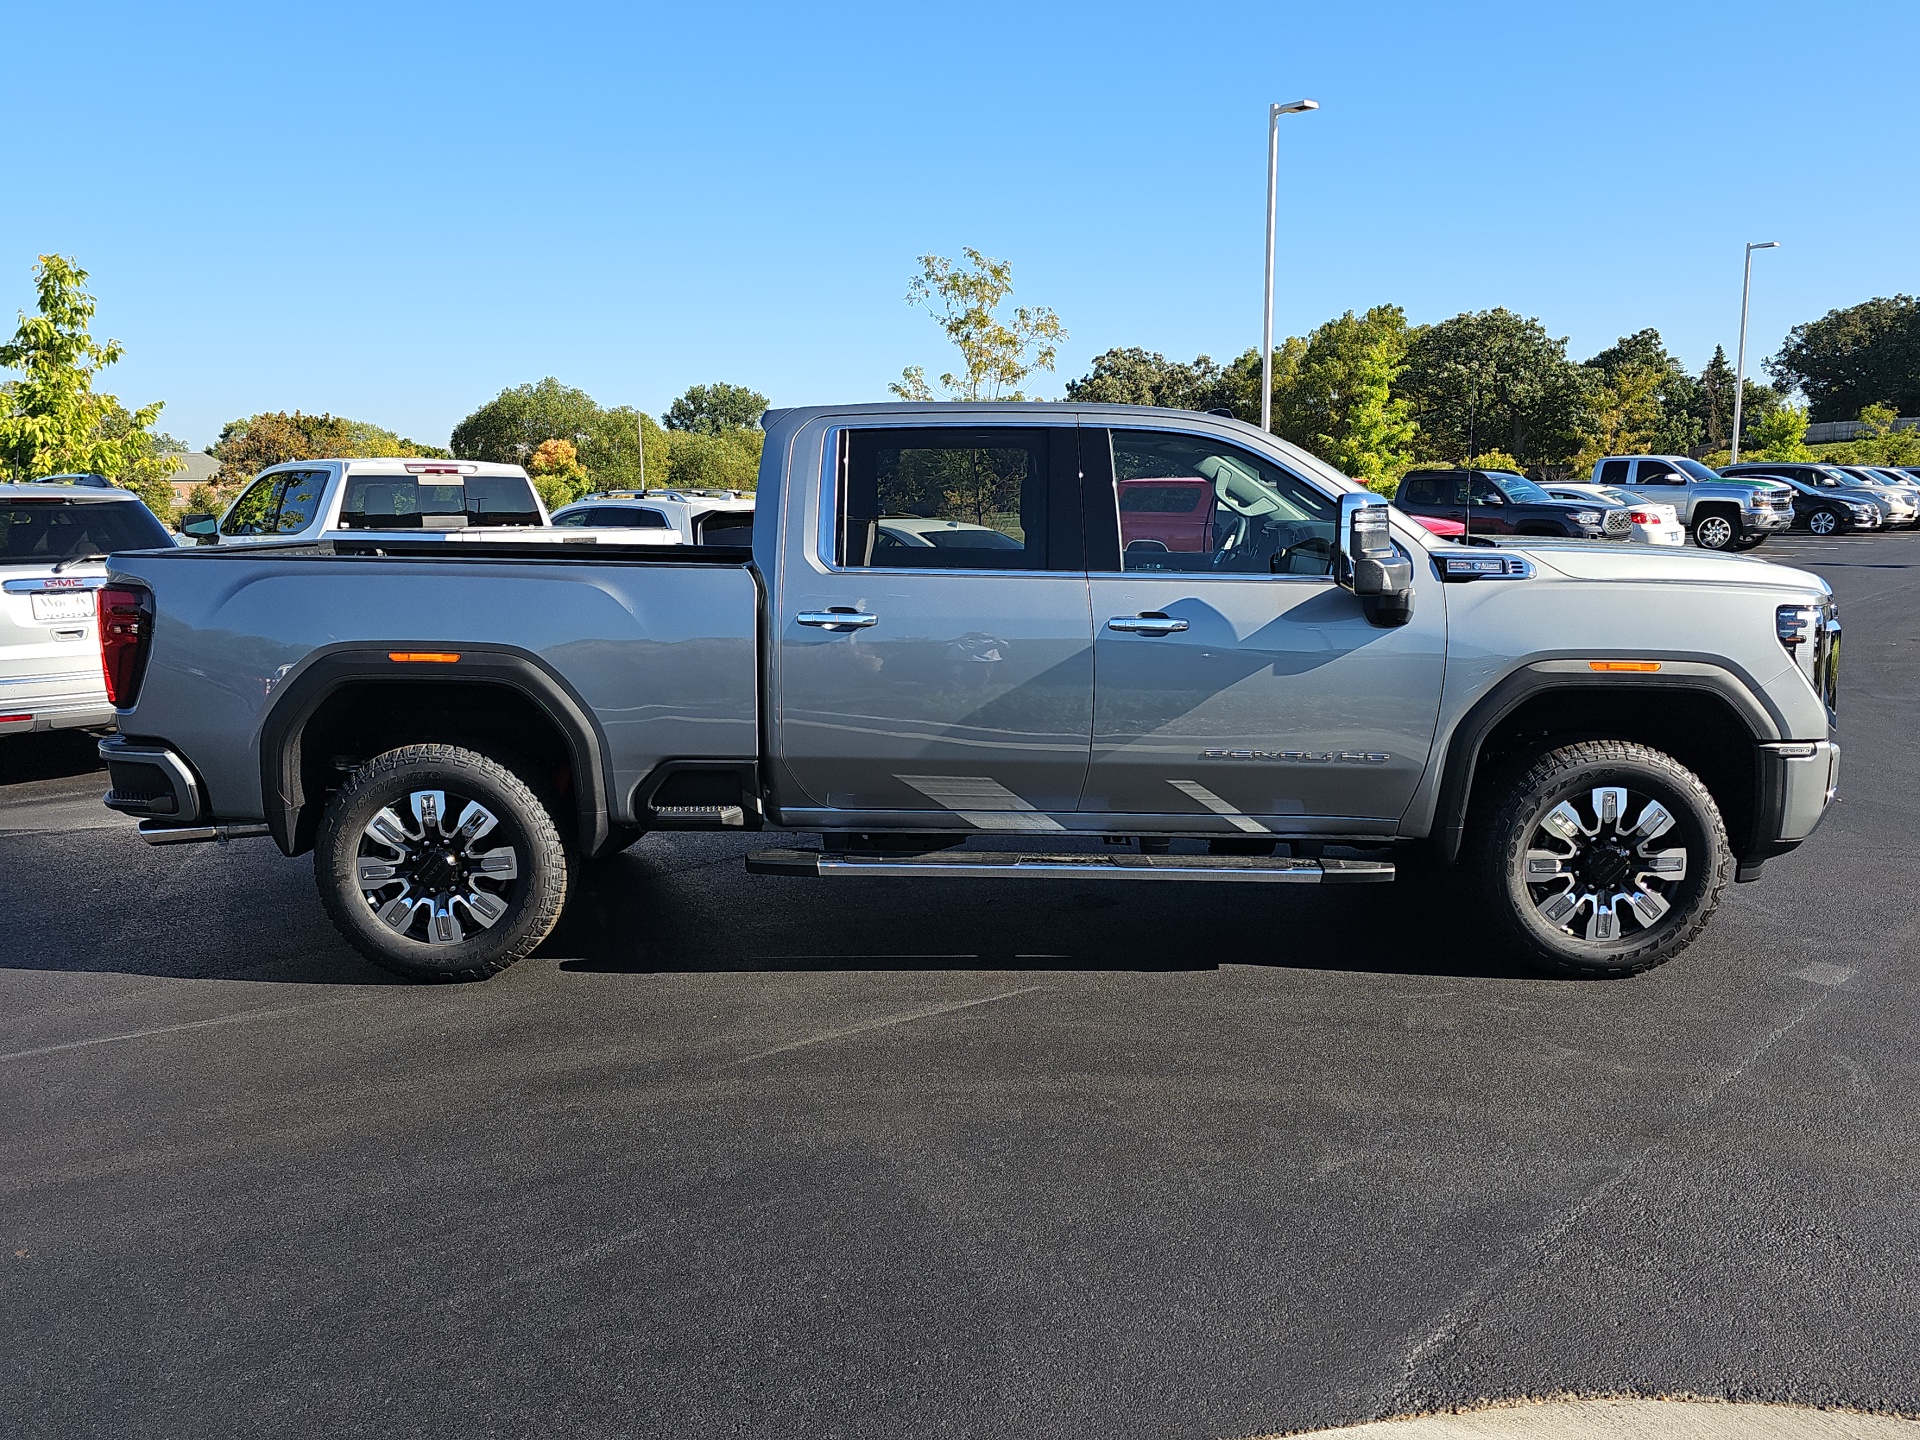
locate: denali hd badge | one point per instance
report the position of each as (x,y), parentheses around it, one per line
(1302,757)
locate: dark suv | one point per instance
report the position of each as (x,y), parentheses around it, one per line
(1498,502)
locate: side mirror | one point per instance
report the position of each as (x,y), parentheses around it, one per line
(1370,564)
(204,528)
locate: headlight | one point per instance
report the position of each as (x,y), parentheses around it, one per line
(1810,633)
(1864,512)
(1586,517)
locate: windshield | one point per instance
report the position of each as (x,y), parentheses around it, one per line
(396,502)
(1517,487)
(1697,470)
(39,532)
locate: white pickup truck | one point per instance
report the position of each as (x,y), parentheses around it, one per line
(452,500)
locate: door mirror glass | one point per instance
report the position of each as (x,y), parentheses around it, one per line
(200,527)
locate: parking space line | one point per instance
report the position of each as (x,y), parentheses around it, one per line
(176,1029)
(887,1022)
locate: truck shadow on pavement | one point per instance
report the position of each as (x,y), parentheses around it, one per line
(633,915)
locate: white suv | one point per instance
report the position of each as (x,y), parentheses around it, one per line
(54,541)
(700,517)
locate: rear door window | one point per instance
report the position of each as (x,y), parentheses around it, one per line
(1613,472)
(956,499)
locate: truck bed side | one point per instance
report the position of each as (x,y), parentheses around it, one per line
(651,660)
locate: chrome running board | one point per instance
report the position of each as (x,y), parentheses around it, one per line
(1014,865)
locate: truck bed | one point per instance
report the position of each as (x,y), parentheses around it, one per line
(657,644)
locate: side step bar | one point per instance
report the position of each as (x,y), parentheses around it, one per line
(1012,865)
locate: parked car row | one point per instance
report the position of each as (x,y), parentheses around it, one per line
(1665,500)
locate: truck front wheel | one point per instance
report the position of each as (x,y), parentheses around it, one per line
(1601,858)
(439,863)
(1715,530)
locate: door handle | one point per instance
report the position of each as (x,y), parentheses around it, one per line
(837,619)
(1146,624)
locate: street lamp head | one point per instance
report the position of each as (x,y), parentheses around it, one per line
(1763,245)
(1296,107)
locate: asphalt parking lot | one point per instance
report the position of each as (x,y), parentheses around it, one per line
(739,1156)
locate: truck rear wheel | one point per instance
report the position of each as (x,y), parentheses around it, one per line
(1601,858)
(439,863)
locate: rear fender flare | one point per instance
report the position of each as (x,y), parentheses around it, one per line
(282,788)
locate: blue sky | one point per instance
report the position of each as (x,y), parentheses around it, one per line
(391,211)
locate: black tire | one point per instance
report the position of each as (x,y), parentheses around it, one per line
(1715,530)
(452,908)
(1826,522)
(1516,838)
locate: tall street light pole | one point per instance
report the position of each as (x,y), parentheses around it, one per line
(1274,112)
(1740,365)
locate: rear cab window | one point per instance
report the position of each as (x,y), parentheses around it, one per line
(436,501)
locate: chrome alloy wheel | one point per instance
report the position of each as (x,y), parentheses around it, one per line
(1715,532)
(1823,522)
(428,877)
(1595,868)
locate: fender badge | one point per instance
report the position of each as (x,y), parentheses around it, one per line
(1303,757)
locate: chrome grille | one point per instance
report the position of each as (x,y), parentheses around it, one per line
(1619,522)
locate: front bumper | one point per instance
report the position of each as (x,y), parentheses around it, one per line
(1765,522)
(1798,781)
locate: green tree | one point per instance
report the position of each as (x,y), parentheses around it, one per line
(1866,354)
(1639,369)
(1338,399)
(273,437)
(512,425)
(729,460)
(717,408)
(557,473)
(1625,415)
(52,421)
(1494,380)
(997,354)
(1781,434)
(1133,376)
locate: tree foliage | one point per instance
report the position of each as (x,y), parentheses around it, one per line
(52,420)
(1780,434)
(273,437)
(1866,354)
(1338,399)
(717,408)
(514,424)
(997,352)
(729,460)
(1494,379)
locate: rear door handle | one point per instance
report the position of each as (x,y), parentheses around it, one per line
(1146,624)
(837,619)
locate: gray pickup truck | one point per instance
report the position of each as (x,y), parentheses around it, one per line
(991,642)
(1721,512)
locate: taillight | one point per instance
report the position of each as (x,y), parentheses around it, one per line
(126,625)
(1644,517)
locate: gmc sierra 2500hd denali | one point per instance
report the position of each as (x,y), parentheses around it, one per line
(968,641)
